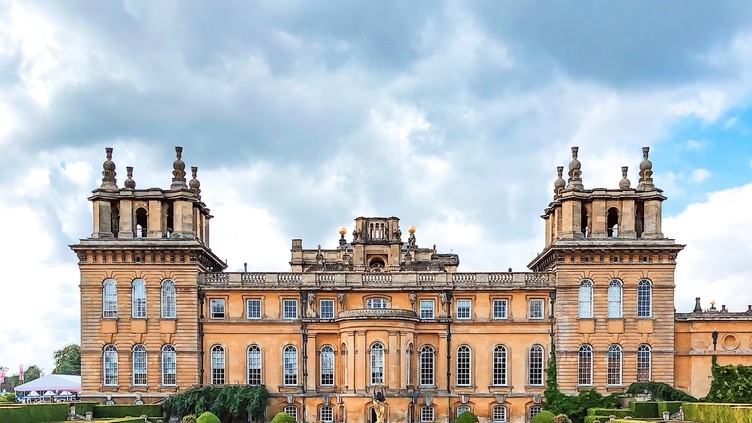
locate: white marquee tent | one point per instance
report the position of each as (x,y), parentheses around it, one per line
(54,383)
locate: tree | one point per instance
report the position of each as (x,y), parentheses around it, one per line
(31,373)
(68,360)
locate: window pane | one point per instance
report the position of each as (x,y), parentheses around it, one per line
(585,366)
(463,366)
(138,295)
(327,366)
(614,365)
(110,364)
(217,307)
(427,366)
(614,299)
(499,414)
(254,365)
(168,299)
(326,414)
(109,299)
(326,309)
(644,299)
(377,364)
(290,362)
(169,365)
(536,308)
(499,308)
(217,365)
(139,365)
(463,309)
(586,299)
(500,365)
(535,366)
(290,309)
(643,363)
(253,308)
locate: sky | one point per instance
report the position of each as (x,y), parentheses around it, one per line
(303,115)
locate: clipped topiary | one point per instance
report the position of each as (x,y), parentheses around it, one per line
(283,417)
(544,416)
(467,417)
(191,418)
(207,417)
(562,418)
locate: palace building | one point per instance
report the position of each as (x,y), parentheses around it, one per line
(381,313)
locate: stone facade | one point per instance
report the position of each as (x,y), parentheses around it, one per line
(379,313)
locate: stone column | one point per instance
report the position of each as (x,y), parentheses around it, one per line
(393,378)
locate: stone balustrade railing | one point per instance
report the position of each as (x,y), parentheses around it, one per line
(436,280)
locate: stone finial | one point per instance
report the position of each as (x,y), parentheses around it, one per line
(749,309)
(342,240)
(129,183)
(195,184)
(108,174)
(723,308)
(698,306)
(624,183)
(646,172)
(575,172)
(559,184)
(178,170)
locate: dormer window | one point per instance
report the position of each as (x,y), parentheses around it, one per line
(376,303)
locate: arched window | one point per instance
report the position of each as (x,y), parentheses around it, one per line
(168,299)
(141,223)
(586,299)
(110,365)
(169,365)
(377,303)
(500,365)
(217,365)
(535,366)
(426,414)
(464,366)
(377,363)
(643,363)
(613,376)
(109,299)
(139,365)
(614,299)
(408,364)
(290,363)
(585,365)
(326,414)
(612,222)
(427,366)
(644,298)
(499,414)
(292,411)
(254,365)
(327,366)
(462,409)
(138,298)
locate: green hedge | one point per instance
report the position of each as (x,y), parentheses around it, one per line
(618,412)
(714,413)
(126,410)
(670,406)
(83,406)
(644,409)
(34,413)
(631,421)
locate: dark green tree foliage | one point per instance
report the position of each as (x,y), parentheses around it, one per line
(283,417)
(32,373)
(467,417)
(573,406)
(660,391)
(229,403)
(68,360)
(730,384)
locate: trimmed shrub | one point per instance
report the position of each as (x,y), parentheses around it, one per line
(191,418)
(283,417)
(618,412)
(644,409)
(126,410)
(33,413)
(544,416)
(467,417)
(629,421)
(207,417)
(670,406)
(562,418)
(83,406)
(714,413)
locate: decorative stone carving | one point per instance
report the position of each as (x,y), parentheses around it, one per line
(108,172)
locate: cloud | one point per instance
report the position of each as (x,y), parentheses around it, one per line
(699,175)
(713,265)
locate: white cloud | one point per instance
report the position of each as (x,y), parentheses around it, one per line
(699,175)
(715,263)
